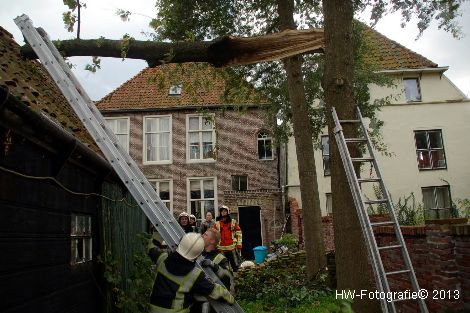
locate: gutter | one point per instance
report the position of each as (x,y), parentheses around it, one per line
(183,108)
(43,131)
(416,70)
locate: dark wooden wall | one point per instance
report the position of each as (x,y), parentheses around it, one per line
(35,270)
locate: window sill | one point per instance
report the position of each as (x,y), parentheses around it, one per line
(201,161)
(432,169)
(266,159)
(157,162)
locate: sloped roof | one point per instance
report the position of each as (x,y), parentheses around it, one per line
(202,86)
(387,54)
(149,88)
(32,85)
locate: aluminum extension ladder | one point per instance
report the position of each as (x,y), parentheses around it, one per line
(361,202)
(122,163)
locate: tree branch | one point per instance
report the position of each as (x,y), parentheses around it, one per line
(225,51)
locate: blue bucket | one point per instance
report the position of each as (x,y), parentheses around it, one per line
(260,254)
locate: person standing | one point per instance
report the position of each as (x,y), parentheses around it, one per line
(183,220)
(208,223)
(230,236)
(193,223)
(178,278)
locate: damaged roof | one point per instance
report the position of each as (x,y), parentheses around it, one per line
(31,84)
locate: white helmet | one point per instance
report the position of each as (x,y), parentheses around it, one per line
(224,207)
(192,216)
(191,246)
(183,214)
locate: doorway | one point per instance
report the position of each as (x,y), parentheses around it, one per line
(250,223)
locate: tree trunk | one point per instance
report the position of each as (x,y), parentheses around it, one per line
(352,267)
(312,222)
(225,51)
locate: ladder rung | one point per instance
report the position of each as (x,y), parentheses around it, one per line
(397,272)
(378,201)
(349,121)
(382,223)
(355,140)
(366,159)
(390,247)
(368,180)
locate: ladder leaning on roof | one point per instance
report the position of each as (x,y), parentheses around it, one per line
(360,201)
(122,163)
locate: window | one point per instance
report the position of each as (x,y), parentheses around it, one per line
(265,149)
(120,127)
(437,201)
(175,90)
(430,149)
(329,203)
(201,138)
(412,90)
(164,189)
(325,151)
(239,183)
(202,195)
(81,240)
(157,139)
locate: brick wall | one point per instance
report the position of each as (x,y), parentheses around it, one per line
(237,153)
(297,227)
(440,255)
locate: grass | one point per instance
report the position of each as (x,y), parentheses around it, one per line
(325,304)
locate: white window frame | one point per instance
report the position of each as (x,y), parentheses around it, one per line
(156,184)
(188,193)
(76,235)
(128,128)
(267,137)
(418,86)
(435,199)
(170,144)
(200,131)
(429,149)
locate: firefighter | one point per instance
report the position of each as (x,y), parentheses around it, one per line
(178,279)
(230,236)
(183,220)
(212,258)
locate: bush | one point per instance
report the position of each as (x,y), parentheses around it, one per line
(287,240)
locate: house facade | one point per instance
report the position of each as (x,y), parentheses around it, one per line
(425,131)
(198,152)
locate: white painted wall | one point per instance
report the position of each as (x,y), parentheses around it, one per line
(443,107)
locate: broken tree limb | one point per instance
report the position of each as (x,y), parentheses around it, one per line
(225,51)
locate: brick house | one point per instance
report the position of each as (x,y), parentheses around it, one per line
(199,152)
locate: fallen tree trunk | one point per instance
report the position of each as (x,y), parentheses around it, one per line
(225,51)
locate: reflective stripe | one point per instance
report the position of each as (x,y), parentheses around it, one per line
(157,309)
(185,284)
(226,248)
(218,258)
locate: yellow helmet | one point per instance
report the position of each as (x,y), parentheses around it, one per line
(191,246)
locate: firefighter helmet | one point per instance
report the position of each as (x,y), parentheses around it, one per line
(191,246)
(224,207)
(183,214)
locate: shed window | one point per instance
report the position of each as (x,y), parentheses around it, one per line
(81,239)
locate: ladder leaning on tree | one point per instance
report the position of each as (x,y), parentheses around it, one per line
(361,202)
(122,163)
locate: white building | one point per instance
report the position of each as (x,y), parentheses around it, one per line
(426,129)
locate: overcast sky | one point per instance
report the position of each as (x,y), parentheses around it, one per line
(99,19)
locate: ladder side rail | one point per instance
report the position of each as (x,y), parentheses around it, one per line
(374,254)
(114,154)
(390,206)
(124,154)
(93,126)
(76,84)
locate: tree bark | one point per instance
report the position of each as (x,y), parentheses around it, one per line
(352,267)
(311,213)
(225,51)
